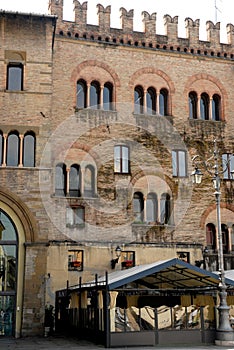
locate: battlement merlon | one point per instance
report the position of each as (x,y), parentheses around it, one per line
(80,13)
(149,25)
(103,17)
(55,7)
(126,18)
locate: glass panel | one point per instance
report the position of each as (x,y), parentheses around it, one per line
(117,159)
(232,237)
(1,148)
(89,181)
(107,97)
(74,185)
(182,163)
(78,216)
(165,208)
(202,108)
(12,150)
(7,268)
(94,96)
(232,163)
(161,104)
(7,230)
(29,151)
(75,260)
(60,180)
(225,167)
(149,103)
(125,159)
(138,101)
(69,218)
(174,163)
(14,78)
(150,210)
(7,315)
(138,207)
(81,95)
(125,320)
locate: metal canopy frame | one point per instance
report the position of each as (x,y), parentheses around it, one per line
(173,274)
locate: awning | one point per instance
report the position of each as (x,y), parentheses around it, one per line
(173,274)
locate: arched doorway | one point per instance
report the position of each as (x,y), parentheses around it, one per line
(8,274)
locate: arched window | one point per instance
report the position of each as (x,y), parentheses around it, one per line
(60,179)
(74,181)
(89,181)
(81,94)
(8,273)
(13,149)
(95,95)
(211,236)
(29,150)
(165,208)
(1,148)
(152,208)
(138,100)
(204,106)
(224,230)
(138,206)
(216,107)
(163,101)
(151,101)
(108,96)
(193,105)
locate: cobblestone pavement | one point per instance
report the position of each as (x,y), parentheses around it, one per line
(61,343)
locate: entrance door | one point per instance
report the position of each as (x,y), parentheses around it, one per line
(8,274)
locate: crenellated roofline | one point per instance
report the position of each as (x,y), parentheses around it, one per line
(79,28)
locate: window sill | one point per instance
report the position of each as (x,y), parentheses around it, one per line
(78,226)
(14,91)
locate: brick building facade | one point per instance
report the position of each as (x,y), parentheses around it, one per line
(98,130)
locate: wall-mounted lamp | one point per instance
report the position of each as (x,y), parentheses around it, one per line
(118,251)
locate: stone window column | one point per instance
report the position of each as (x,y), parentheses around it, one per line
(82,173)
(230,243)
(145,102)
(199,107)
(68,180)
(88,94)
(144,211)
(211,108)
(157,102)
(4,150)
(101,96)
(21,137)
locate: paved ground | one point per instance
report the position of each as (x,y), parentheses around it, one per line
(61,343)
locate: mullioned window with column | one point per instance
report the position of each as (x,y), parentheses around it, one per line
(75,181)
(94,95)
(152,209)
(204,106)
(150,101)
(17,150)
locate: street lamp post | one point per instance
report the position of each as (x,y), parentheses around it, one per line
(224,332)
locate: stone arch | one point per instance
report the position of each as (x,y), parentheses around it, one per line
(213,80)
(160,73)
(211,208)
(77,73)
(143,173)
(22,212)
(149,70)
(88,149)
